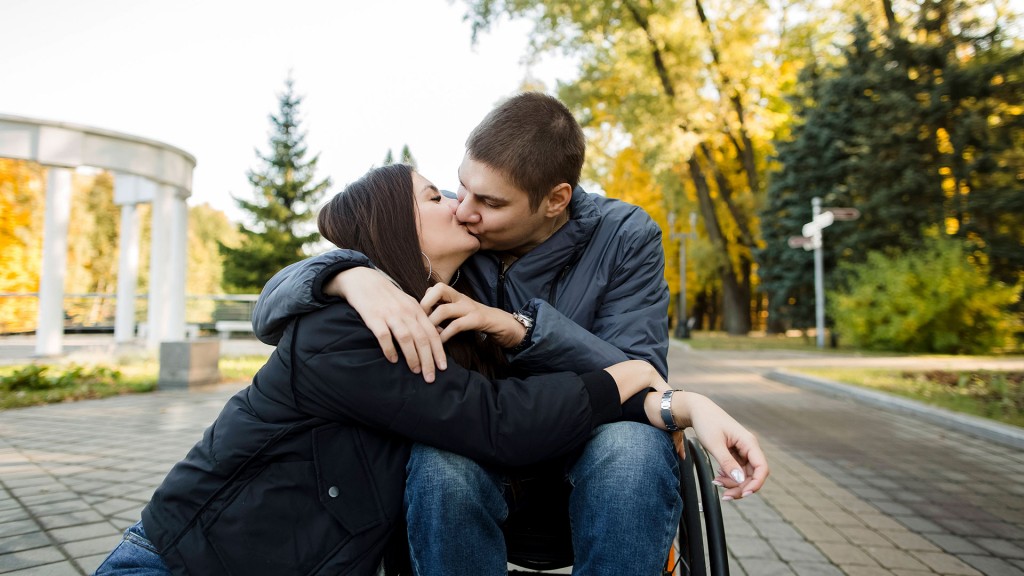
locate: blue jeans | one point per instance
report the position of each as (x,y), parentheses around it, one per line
(134,556)
(624,506)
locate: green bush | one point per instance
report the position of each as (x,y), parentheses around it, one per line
(37,377)
(936,299)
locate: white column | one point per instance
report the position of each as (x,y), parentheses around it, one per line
(158,265)
(175,327)
(50,330)
(127,274)
(129,191)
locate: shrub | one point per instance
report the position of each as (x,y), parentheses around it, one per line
(936,299)
(36,377)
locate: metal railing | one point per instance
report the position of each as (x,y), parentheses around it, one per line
(94,312)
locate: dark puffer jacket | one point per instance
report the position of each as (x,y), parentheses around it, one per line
(303,471)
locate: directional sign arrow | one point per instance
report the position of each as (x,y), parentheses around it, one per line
(799,241)
(842,213)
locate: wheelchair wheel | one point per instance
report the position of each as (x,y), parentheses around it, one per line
(701,522)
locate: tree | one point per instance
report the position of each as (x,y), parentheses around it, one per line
(22,196)
(285,195)
(685,85)
(93,251)
(947,160)
(406,157)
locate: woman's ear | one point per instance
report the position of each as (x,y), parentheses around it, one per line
(558,200)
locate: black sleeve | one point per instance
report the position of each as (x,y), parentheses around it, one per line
(298,289)
(339,373)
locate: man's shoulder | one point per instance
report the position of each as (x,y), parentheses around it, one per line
(623,217)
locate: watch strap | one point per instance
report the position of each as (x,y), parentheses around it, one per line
(666,411)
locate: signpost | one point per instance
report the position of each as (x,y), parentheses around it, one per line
(811,239)
(682,319)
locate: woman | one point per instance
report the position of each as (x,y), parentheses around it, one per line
(303,470)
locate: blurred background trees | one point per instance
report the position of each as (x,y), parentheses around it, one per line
(744,110)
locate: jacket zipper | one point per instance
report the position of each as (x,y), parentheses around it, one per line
(561,276)
(501,290)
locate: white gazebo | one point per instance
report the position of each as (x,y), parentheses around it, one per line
(144,171)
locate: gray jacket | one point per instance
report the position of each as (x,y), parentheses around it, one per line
(596,290)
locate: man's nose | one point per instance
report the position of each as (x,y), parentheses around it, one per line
(465,213)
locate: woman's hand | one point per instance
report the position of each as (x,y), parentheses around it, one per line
(392,316)
(743,467)
(445,304)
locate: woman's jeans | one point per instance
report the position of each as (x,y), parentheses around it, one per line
(134,556)
(624,506)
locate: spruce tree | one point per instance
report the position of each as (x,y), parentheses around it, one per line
(285,195)
(406,157)
(923,141)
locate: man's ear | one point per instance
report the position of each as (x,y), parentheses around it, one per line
(558,200)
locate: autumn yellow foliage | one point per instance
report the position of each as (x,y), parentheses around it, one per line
(21,242)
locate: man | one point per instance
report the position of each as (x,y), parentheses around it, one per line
(584,275)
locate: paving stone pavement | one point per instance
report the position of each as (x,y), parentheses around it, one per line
(854,490)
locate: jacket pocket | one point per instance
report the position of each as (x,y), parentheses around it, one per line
(345,482)
(274,524)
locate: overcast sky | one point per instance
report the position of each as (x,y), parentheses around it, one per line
(203,75)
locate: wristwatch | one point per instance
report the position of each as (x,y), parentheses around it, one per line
(527,323)
(666,411)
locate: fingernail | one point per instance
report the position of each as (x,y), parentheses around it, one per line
(747,493)
(737,475)
(726,498)
(717,483)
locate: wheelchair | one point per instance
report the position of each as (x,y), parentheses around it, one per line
(544,543)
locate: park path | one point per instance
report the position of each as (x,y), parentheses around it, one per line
(854,490)
(858,489)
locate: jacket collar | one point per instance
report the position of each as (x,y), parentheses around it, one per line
(584,216)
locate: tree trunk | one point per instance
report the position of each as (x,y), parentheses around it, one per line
(735,301)
(735,310)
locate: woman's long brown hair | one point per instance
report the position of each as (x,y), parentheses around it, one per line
(376,215)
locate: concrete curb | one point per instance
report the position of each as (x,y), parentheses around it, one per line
(1005,434)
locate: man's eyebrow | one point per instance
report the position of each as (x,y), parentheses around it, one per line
(489,198)
(492,199)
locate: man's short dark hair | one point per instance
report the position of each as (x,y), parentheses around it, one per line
(534,141)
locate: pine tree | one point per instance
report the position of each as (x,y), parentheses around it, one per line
(285,196)
(922,140)
(406,157)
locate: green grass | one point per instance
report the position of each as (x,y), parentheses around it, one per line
(996,395)
(34,384)
(701,340)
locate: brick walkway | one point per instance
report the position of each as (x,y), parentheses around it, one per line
(854,490)
(860,490)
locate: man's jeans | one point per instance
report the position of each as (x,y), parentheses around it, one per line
(624,507)
(134,556)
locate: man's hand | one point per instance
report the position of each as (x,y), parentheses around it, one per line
(392,316)
(446,304)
